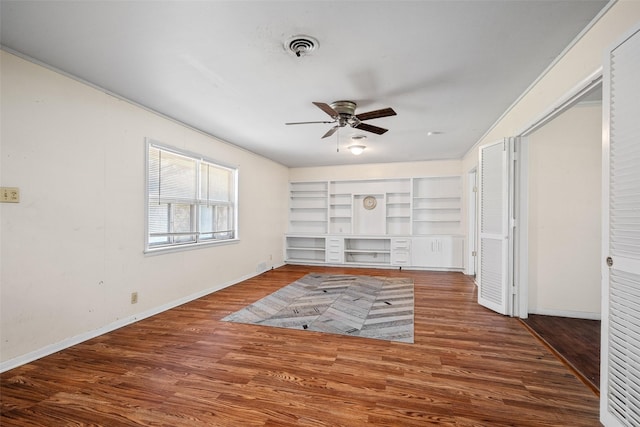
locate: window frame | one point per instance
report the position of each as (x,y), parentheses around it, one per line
(195,207)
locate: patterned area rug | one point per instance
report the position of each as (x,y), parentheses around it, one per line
(363,306)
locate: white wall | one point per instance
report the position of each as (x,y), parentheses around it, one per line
(72,249)
(377,171)
(564,214)
(579,62)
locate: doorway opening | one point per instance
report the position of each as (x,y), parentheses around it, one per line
(561,259)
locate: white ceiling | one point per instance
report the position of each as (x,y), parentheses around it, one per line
(221,66)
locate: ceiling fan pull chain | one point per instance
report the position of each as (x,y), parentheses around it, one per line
(338,141)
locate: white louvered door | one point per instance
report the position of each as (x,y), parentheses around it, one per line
(493,248)
(620,369)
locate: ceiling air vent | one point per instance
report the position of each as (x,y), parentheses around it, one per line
(301,45)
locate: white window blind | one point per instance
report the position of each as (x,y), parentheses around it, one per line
(191,200)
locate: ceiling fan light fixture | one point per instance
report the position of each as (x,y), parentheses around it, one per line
(356,149)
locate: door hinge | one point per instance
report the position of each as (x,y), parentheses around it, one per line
(474,253)
(475,189)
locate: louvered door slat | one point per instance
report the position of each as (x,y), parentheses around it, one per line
(494,214)
(621,321)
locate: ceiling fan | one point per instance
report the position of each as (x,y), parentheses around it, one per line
(343,113)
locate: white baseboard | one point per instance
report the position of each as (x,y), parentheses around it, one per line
(566,313)
(69,342)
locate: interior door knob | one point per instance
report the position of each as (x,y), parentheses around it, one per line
(610,261)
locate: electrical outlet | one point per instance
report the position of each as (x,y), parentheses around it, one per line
(134,297)
(9,195)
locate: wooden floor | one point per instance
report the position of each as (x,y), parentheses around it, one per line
(467,367)
(576,341)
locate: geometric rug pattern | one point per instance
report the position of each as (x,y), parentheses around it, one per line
(363,306)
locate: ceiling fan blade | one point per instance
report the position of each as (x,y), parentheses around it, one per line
(306,123)
(330,132)
(376,114)
(370,128)
(327,109)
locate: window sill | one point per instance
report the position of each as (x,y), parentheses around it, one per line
(189,247)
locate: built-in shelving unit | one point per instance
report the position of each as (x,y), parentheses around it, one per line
(398,215)
(340,213)
(308,207)
(412,222)
(437,205)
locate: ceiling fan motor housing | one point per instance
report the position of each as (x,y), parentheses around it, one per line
(346,112)
(344,108)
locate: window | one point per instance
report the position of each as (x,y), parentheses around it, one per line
(190,200)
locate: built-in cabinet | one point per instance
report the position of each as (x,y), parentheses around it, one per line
(401,251)
(335,250)
(412,222)
(437,251)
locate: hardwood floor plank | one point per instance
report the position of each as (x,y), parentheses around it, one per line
(186,367)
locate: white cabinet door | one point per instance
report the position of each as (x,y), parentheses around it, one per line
(452,252)
(437,252)
(422,252)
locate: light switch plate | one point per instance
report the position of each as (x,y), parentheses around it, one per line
(9,195)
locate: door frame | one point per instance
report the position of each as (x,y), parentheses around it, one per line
(472,218)
(521,176)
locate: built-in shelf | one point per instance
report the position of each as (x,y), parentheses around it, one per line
(437,205)
(398,212)
(367,251)
(306,249)
(308,207)
(340,213)
(337,222)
